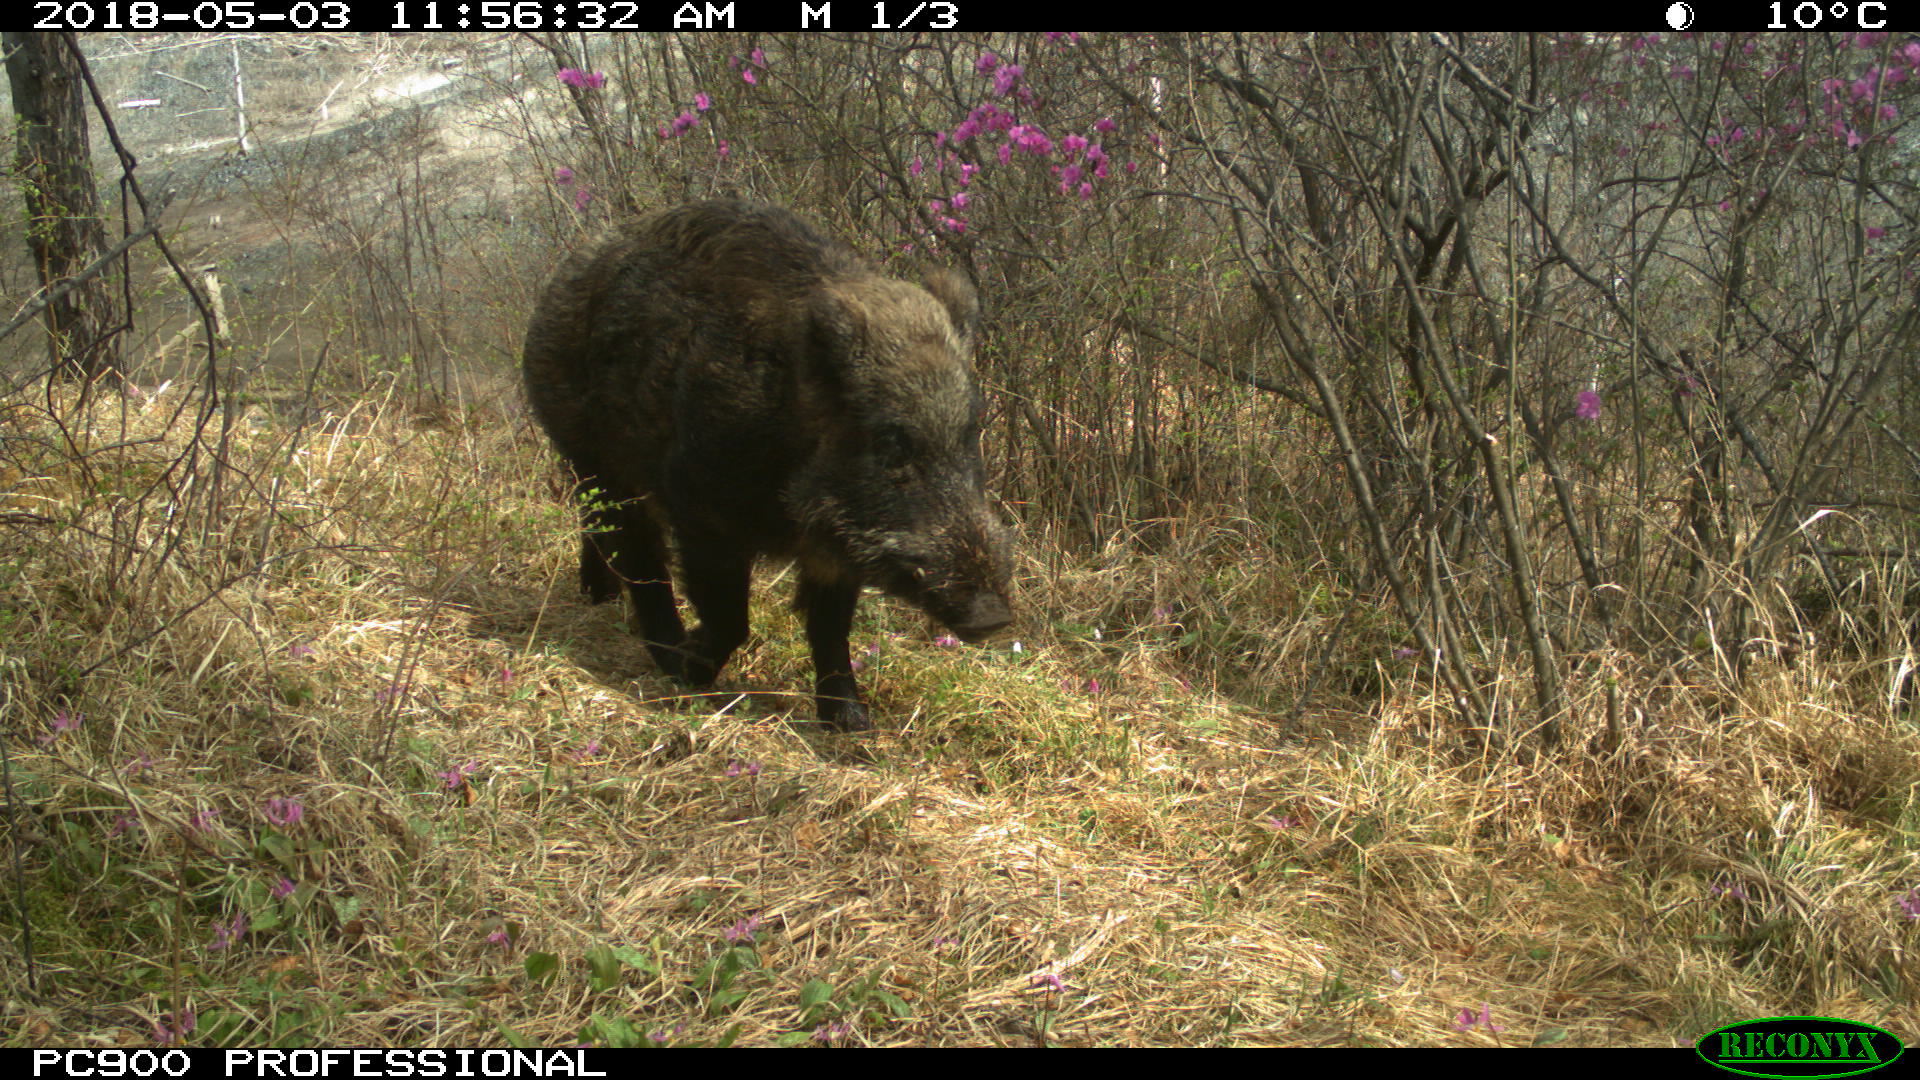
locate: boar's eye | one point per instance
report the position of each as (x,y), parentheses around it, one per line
(891,444)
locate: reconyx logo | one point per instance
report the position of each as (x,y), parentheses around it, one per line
(1800,1047)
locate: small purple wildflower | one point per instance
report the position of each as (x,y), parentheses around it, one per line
(742,930)
(1728,889)
(1466,1021)
(1104,125)
(299,650)
(283,888)
(138,765)
(1875,232)
(702,102)
(1086,189)
(1072,146)
(1910,904)
(563,175)
(120,825)
(1405,652)
(746,76)
(917,167)
(456,776)
(1005,79)
(1048,981)
(63,722)
(1279,823)
(596,80)
(285,812)
(581,197)
(168,1030)
(961,199)
(723,150)
(229,933)
(202,820)
(743,768)
(758,56)
(1587,405)
(587,751)
(833,1032)
(946,641)
(573,77)
(500,937)
(986,63)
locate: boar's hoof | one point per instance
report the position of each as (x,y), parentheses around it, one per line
(843,715)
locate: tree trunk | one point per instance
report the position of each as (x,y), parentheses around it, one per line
(64,228)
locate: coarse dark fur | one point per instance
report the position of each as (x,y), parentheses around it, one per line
(724,372)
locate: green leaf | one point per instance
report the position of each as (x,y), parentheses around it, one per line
(542,966)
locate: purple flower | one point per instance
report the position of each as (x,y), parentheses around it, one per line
(573,77)
(758,56)
(1086,189)
(702,102)
(283,888)
(299,650)
(1048,981)
(1587,405)
(456,776)
(742,930)
(916,168)
(285,812)
(62,722)
(837,1030)
(1910,904)
(1875,232)
(1006,153)
(500,937)
(228,933)
(946,641)
(746,76)
(723,150)
(168,1029)
(961,199)
(1104,125)
(562,175)
(581,197)
(1727,889)
(1005,78)
(596,80)
(986,63)
(1466,1021)
(120,825)
(1071,146)
(202,820)
(743,768)
(1405,653)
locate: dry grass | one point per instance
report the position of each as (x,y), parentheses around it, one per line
(512,829)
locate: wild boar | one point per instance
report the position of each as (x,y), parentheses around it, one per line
(723,373)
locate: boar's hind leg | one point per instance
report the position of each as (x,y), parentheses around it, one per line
(716,578)
(829,612)
(599,528)
(620,542)
(640,558)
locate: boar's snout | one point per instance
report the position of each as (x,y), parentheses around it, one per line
(985,616)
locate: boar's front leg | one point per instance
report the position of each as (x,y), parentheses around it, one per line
(829,612)
(717,577)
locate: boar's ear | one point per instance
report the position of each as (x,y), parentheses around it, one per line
(835,327)
(956,294)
